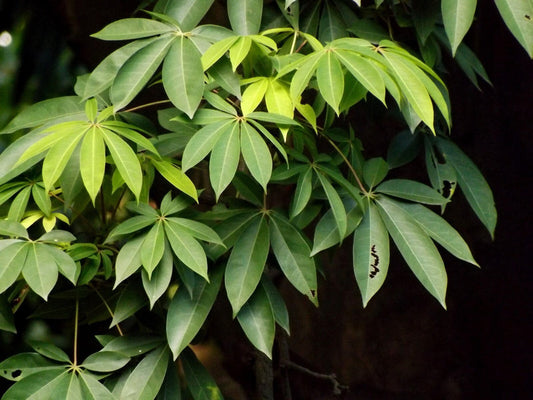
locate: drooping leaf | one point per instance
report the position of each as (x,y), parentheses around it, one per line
(279,308)
(370,254)
(416,247)
(246,263)
(186,315)
(302,194)
(457,16)
(256,155)
(156,285)
(336,205)
(200,383)
(7,320)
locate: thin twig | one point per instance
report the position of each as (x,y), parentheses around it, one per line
(337,387)
(108,309)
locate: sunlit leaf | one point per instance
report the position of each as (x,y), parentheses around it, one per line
(105,361)
(132,28)
(457,16)
(245,16)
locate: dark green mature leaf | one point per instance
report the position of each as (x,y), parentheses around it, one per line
(416,247)
(257,321)
(370,254)
(245,16)
(147,377)
(186,315)
(517,15)
(7,320)
(130,225)
(230,230)
(279,308)
(94,390)
(38,386)
(69,388)
(293,254)
(40,269)
(128,303)
(153,247)
(224,160)
(411,190)
(132,346)
(132,28)
(65,264)
(374,171)
(199,382)
(22,365)
(256,155)
(330,78)
(302,194)
(403,149)
(156,285)
(105,361)
(472,183)
(171,387)
(187,13)
(49,350)
(457,16)
(246,263)
(128,259)
(197,229)
(43,112)
(137,71)
(336,205)
(183,77)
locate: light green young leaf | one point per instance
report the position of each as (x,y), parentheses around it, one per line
(411,190)
(40,269)
(416,248)
(246,263)
(105,361)
(156,285)
(132,28)
(517,15)
(46,111)
(18,205)
(370,254)
(128,259)
(472,183)
(304,73)
(457,16)
(224,160)
(239,50)
(153,247)
(186,248)
(125,160)
(176,177)
(38,386)
(293,255)
(440,231)
(203,141)
(245,16)
(257,321)
(186,315)
(330,78)
(253,95)
(199,381)
(279,308)
(183,77)
(217,51)
(128,303)
(256,155)
(137,71)
(92,161)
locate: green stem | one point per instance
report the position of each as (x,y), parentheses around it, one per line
(76,315)
(154,103)
(294,41)
(108,309)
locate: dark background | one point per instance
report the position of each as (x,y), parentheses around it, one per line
(403,345)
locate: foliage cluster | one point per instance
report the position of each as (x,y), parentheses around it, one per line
(252,170)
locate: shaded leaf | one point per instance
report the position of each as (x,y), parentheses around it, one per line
(49,350)
(128,303)
(199,382)
(279,308)
(411,190)
(105,361)
(224,160)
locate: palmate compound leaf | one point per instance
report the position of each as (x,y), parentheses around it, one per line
(246,263)
(256,318)
(370,254)
(187,314)
(199,381)
(293,255)
(416,247)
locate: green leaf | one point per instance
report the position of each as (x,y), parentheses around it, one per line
(40,385)
(224,75)
(22,365)
(411,190)
(370,254)
(130,225)
(440,231)
(156,285)
(147,377)
(224,160)
(257,321)
(246,263)
(336,205)
(12,229)
(129,132)
(7,320)
(239,51)
(302,194)
(217,51)
(416,247)
(256,155)
(304,73)
(403,148)
(94,390)
(330,80)
(153,247)
(40,270)
(69,388)
(277,119)
(128,303)
(218,102)
(197,229)
(65,264)
(186,315)
(517,16)
(472,183)
(187,13)
(457,16)
(171,387)
(43,112)
(203,142)
(103,75)
(132,346)
(49,350)
(183,77)
(176,177)
(253,95)
(128,259)
(279,308)
(137,71)
(132,28)
(92,161)
(229,231)
(199,382)
(408,79)
(245,16)
(186,248)
(293,255)
(125,160)
(19,205)
(105,361)
(374,171)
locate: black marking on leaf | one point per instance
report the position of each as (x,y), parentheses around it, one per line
(375,264)
(447,188)
(313,292)
(16,373)
(527,17)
